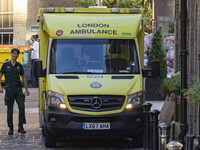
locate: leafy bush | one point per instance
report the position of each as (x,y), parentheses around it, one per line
(86,3)
(157,52)
(171,27)
(171,86)
(193,93)
(124,4)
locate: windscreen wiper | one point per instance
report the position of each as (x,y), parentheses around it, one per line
(77,73)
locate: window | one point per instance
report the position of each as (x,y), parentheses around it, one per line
(34,28)
(6,22)
(94,56)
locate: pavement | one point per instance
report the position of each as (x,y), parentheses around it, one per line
(34,140)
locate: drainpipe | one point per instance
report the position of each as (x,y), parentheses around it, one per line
(183,56)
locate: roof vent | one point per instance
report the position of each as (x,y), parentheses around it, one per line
(50,9)
(69,9)
(97,7)
(114,10)
(134,10)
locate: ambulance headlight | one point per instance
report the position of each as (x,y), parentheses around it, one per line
(136,99)
(55,99)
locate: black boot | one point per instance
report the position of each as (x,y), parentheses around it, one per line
(10,132)
(21,129)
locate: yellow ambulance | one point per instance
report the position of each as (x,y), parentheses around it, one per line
(91,72)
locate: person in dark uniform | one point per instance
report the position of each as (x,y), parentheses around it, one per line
(12,71)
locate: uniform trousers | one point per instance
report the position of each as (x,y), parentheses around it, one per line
(12,94)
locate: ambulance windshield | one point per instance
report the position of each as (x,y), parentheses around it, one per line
(93,56)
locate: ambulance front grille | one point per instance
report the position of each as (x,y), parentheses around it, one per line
(96,103)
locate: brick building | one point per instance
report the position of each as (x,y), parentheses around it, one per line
(193,60)
(18,18)
(19,22)
(163,12)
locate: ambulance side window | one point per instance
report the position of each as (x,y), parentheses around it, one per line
(53,57)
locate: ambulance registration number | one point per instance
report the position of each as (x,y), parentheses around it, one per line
(95,126)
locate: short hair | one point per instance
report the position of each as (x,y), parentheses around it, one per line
(35,37)
(15,50)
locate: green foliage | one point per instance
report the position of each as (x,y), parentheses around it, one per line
(148,20)
(129,3)
(124,4)
(86,3)
(157,52)
(171,27)
(192,94)
(110,3)
(171,86)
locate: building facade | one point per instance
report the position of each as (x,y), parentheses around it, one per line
(6,22)
(193,61)
(19,18)
(163,12)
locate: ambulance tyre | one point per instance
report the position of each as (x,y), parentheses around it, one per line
(50,140)
(137,140)
(43,130)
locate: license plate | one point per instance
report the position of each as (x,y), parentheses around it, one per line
(96,126)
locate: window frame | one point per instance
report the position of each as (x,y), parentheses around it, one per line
(10,26)
(136,51)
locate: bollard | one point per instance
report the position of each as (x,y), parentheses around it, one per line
(146,126)
(197,147)
(154,144)
(191,141)
(174,145)
(164,135)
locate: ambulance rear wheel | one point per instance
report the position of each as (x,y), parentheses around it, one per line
(50,140)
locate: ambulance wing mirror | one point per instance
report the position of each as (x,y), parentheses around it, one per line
(154,72)
(37,69)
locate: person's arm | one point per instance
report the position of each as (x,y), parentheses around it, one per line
(1,89)
(2,71)
(25,85)
(28,50)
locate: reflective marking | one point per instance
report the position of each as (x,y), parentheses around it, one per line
(27,110)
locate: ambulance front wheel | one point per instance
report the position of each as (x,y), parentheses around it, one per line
(43,130)
(50,140)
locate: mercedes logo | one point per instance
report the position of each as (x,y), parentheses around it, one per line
(96,102)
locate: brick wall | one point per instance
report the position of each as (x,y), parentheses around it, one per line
(26,14)
(32,15)
(193,47)
(33,7)
(193,61)
(163,13)
(198,59)
(59,3)
(19,21)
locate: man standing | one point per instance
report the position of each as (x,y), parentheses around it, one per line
(12,71)
(34,49)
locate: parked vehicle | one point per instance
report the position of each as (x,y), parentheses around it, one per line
(5,55)
(91,72)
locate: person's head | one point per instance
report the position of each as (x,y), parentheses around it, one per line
(33,38)
(15,53)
